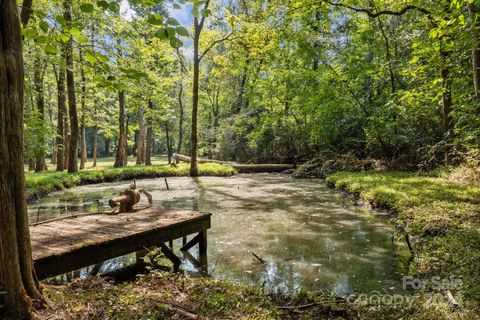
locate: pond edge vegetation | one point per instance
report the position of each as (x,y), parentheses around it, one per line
(438,217)
(41,184)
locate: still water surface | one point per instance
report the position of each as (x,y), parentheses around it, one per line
(310,236)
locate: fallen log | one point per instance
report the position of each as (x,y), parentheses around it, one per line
(184,158)
(242,168)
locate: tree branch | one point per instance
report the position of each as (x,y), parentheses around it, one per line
(202,21)
(376,14)
(26,12)
(213,44)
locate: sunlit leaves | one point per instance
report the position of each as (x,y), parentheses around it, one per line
(44,26)
(86,8)
(81,39)
(155,19)
(50,49)
(90,58)
(30,33)
(182,31)
(176,43)
(60,20)
(111,6)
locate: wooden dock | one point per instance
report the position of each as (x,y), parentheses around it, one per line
(72,243)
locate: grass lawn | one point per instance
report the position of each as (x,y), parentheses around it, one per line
(107,162)
(42,183)
(441,216)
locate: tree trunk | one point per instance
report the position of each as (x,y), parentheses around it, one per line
(141,137)
(169,146)
(476,52)
(95,145)
(40,102)
(107,147)
(66,139)
(180,121)
(196,73)
(74,132)
(17,279)
(238,105)
(447,92)
(125,159)
(54,153)
(31,164)
(61,102)
(122,139)
(447,102)
(83,143)
(148,147)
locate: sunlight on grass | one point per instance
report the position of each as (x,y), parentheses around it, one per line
(42,183)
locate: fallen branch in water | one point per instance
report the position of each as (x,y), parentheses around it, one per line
(259,258)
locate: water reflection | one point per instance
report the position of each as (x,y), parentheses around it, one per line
(308,235)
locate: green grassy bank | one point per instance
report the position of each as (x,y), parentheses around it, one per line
(441,217)
(40,184)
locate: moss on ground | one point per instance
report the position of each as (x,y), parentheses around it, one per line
(40,184)
(443,218)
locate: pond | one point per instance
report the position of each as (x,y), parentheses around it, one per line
(309,235)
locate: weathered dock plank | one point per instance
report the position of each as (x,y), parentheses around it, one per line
(65,245)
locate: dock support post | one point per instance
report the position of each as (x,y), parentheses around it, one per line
(202,243)
(96,269)
(202,252)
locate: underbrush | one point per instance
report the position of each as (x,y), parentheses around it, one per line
(40,184)
(162,295)
(441,217)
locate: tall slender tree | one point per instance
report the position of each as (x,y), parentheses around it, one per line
(198,24)
(72,104)
(61,103)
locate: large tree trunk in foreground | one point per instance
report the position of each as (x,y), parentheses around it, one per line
(122,137)
(74,132)
(17,279)
(242,168)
